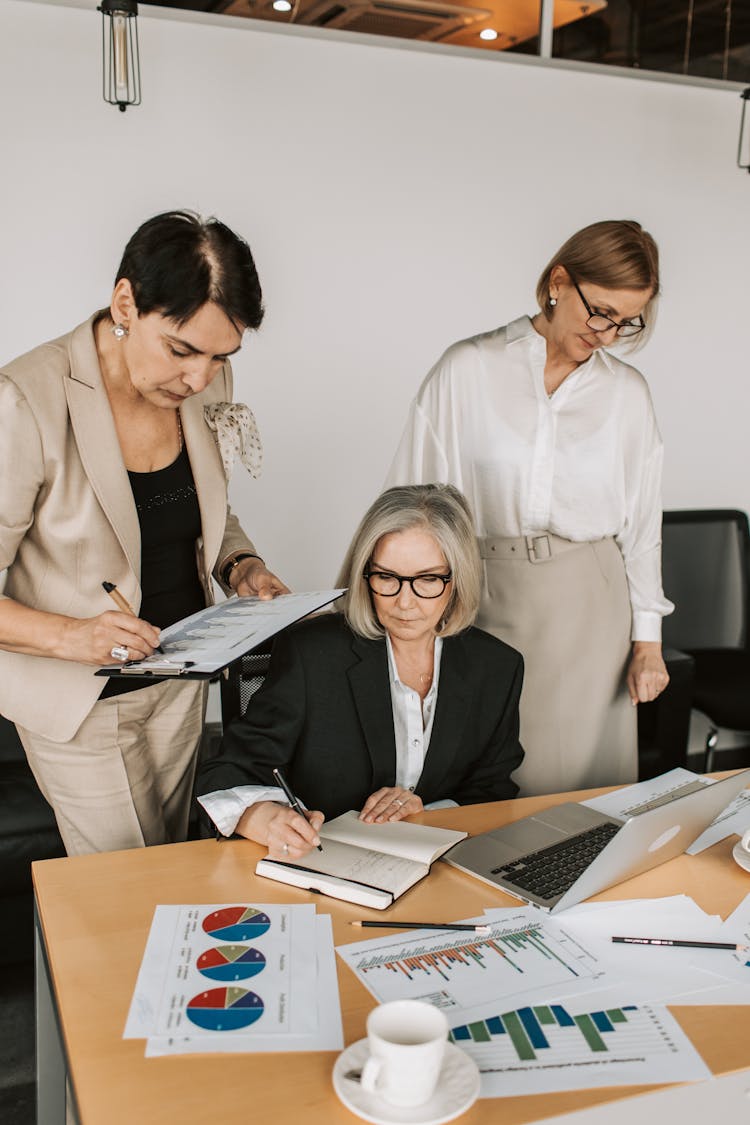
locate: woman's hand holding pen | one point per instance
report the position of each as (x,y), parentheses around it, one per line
(286,833)
(90,640)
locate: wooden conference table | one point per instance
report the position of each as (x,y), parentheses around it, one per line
(93,918)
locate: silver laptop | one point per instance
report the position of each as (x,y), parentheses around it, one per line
(563,855)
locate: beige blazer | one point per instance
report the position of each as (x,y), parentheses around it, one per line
(67,516)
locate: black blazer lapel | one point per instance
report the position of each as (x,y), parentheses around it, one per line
(454,696)
(370,686)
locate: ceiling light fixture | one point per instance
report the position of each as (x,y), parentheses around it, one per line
(488,33)
(745,95)
(121,64)
(282,6)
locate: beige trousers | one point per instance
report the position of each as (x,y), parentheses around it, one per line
(125,779)
(565,607)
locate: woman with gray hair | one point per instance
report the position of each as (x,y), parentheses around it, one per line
(554,441)
(389,705)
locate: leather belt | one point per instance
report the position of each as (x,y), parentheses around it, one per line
(534,548)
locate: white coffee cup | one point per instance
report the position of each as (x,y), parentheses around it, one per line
(407,1041)
(745,845)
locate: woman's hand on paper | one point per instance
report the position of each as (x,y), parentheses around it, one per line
(392,803)
(286,834)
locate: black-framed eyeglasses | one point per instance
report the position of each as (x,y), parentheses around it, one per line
(597,322)
(388,585)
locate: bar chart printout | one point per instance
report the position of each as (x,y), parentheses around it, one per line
(461,971)
(549,1047)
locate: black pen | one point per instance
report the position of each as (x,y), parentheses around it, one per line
(681,943)
(291,798)
(124,605)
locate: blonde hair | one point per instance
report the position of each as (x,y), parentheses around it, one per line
(614,254)
(439,509)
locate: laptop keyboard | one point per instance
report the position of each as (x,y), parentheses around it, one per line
(553,870)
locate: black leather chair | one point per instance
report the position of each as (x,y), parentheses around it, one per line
(706,569)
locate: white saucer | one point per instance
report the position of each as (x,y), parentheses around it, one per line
(457,1089)
(741,855)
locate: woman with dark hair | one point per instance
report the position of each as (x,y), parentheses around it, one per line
(554,441)
(116,443)
(390,705)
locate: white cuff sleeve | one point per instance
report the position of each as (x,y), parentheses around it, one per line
(446,804)
(646,626)
(226,806)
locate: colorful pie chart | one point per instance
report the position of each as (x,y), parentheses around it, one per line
(224,1009)
(231,962)
(236,923)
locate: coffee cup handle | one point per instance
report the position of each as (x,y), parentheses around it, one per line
(746,841)
(370,1072)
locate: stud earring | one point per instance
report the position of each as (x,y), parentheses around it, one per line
(119,331)
(552,301)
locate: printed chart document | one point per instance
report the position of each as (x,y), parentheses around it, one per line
(201,645)
(370,864)
(634,799)
(524,955)
(228,978)
(562,1019)
(554,1046)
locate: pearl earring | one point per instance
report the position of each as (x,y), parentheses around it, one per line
(119,331)
(552,301)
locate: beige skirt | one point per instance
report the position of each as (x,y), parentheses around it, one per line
(565,607)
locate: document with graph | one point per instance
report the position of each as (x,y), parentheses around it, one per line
(523,955)
(199,646)
(572,1044)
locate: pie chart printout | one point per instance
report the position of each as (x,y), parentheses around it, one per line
(224,1009)
(231,962)
(236,923)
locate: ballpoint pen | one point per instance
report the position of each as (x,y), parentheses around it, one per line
(124,605)
(681,943)
(294,803)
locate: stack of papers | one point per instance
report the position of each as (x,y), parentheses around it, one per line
(234,977)
(570,1008)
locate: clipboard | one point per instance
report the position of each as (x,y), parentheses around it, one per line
(201,646)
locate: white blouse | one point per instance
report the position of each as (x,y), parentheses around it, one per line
(583,463)
(412,726)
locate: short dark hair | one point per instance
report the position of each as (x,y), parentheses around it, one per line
(178,261)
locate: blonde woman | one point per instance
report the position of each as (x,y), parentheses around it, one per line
(389,705)
(553,439)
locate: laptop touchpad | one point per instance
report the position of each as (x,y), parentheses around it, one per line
(529,835)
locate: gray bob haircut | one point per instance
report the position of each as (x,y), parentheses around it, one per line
(439,509)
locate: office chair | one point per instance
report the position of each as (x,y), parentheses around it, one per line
(706,571)
(242,680)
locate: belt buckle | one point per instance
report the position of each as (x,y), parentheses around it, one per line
(538,548)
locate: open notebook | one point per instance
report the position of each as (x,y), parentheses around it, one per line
(370,864)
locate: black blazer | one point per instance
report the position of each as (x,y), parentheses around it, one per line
(323,715)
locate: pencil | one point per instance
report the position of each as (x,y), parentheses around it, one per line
(423,926)
(124,605)
(681,943)
(291,798)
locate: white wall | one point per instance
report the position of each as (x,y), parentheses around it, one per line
(395,200)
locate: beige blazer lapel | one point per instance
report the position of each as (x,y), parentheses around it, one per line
(98,444)
(208,474)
